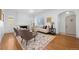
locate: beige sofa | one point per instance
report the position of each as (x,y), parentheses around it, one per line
(40,29)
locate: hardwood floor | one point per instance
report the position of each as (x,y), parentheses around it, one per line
(9,42)
(61,42)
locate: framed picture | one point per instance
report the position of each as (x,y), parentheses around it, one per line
(49,19)
(39,21)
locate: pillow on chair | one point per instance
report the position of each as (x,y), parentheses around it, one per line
(44,27)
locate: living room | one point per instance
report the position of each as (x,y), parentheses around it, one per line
(46,21)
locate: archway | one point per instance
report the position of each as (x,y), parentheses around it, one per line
(67,23)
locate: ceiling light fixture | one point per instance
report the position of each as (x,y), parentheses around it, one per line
(67,12)
(31,11)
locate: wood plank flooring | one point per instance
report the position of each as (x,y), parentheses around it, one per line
(61,42)
(9,42)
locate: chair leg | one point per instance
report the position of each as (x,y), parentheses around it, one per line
(34,38)
(26,42)
(21,40)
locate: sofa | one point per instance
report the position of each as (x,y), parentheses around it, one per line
(44,29)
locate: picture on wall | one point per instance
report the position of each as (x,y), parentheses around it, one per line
(39,21)
(49,18)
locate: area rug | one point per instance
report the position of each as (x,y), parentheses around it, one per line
(41,41)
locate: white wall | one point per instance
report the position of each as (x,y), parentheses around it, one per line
(62,24)
(77,23)
(9,13)
(24,19)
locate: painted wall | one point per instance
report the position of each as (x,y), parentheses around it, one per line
(62,23)
(77,23)
(7,14)
(24,19)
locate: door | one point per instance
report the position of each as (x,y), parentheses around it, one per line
(70,25)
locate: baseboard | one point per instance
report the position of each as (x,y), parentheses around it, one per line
(62,33)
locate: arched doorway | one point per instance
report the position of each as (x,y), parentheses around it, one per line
(67,23)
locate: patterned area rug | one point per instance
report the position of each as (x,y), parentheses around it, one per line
(41,41)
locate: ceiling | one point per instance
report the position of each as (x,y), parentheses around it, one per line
(34,11)
(29,11)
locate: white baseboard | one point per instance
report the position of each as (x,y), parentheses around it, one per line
(62,33)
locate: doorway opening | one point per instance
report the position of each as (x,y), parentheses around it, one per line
(67,23)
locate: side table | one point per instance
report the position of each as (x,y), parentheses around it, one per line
(52,31)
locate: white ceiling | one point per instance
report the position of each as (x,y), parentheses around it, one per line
(36,11)
(28,11)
